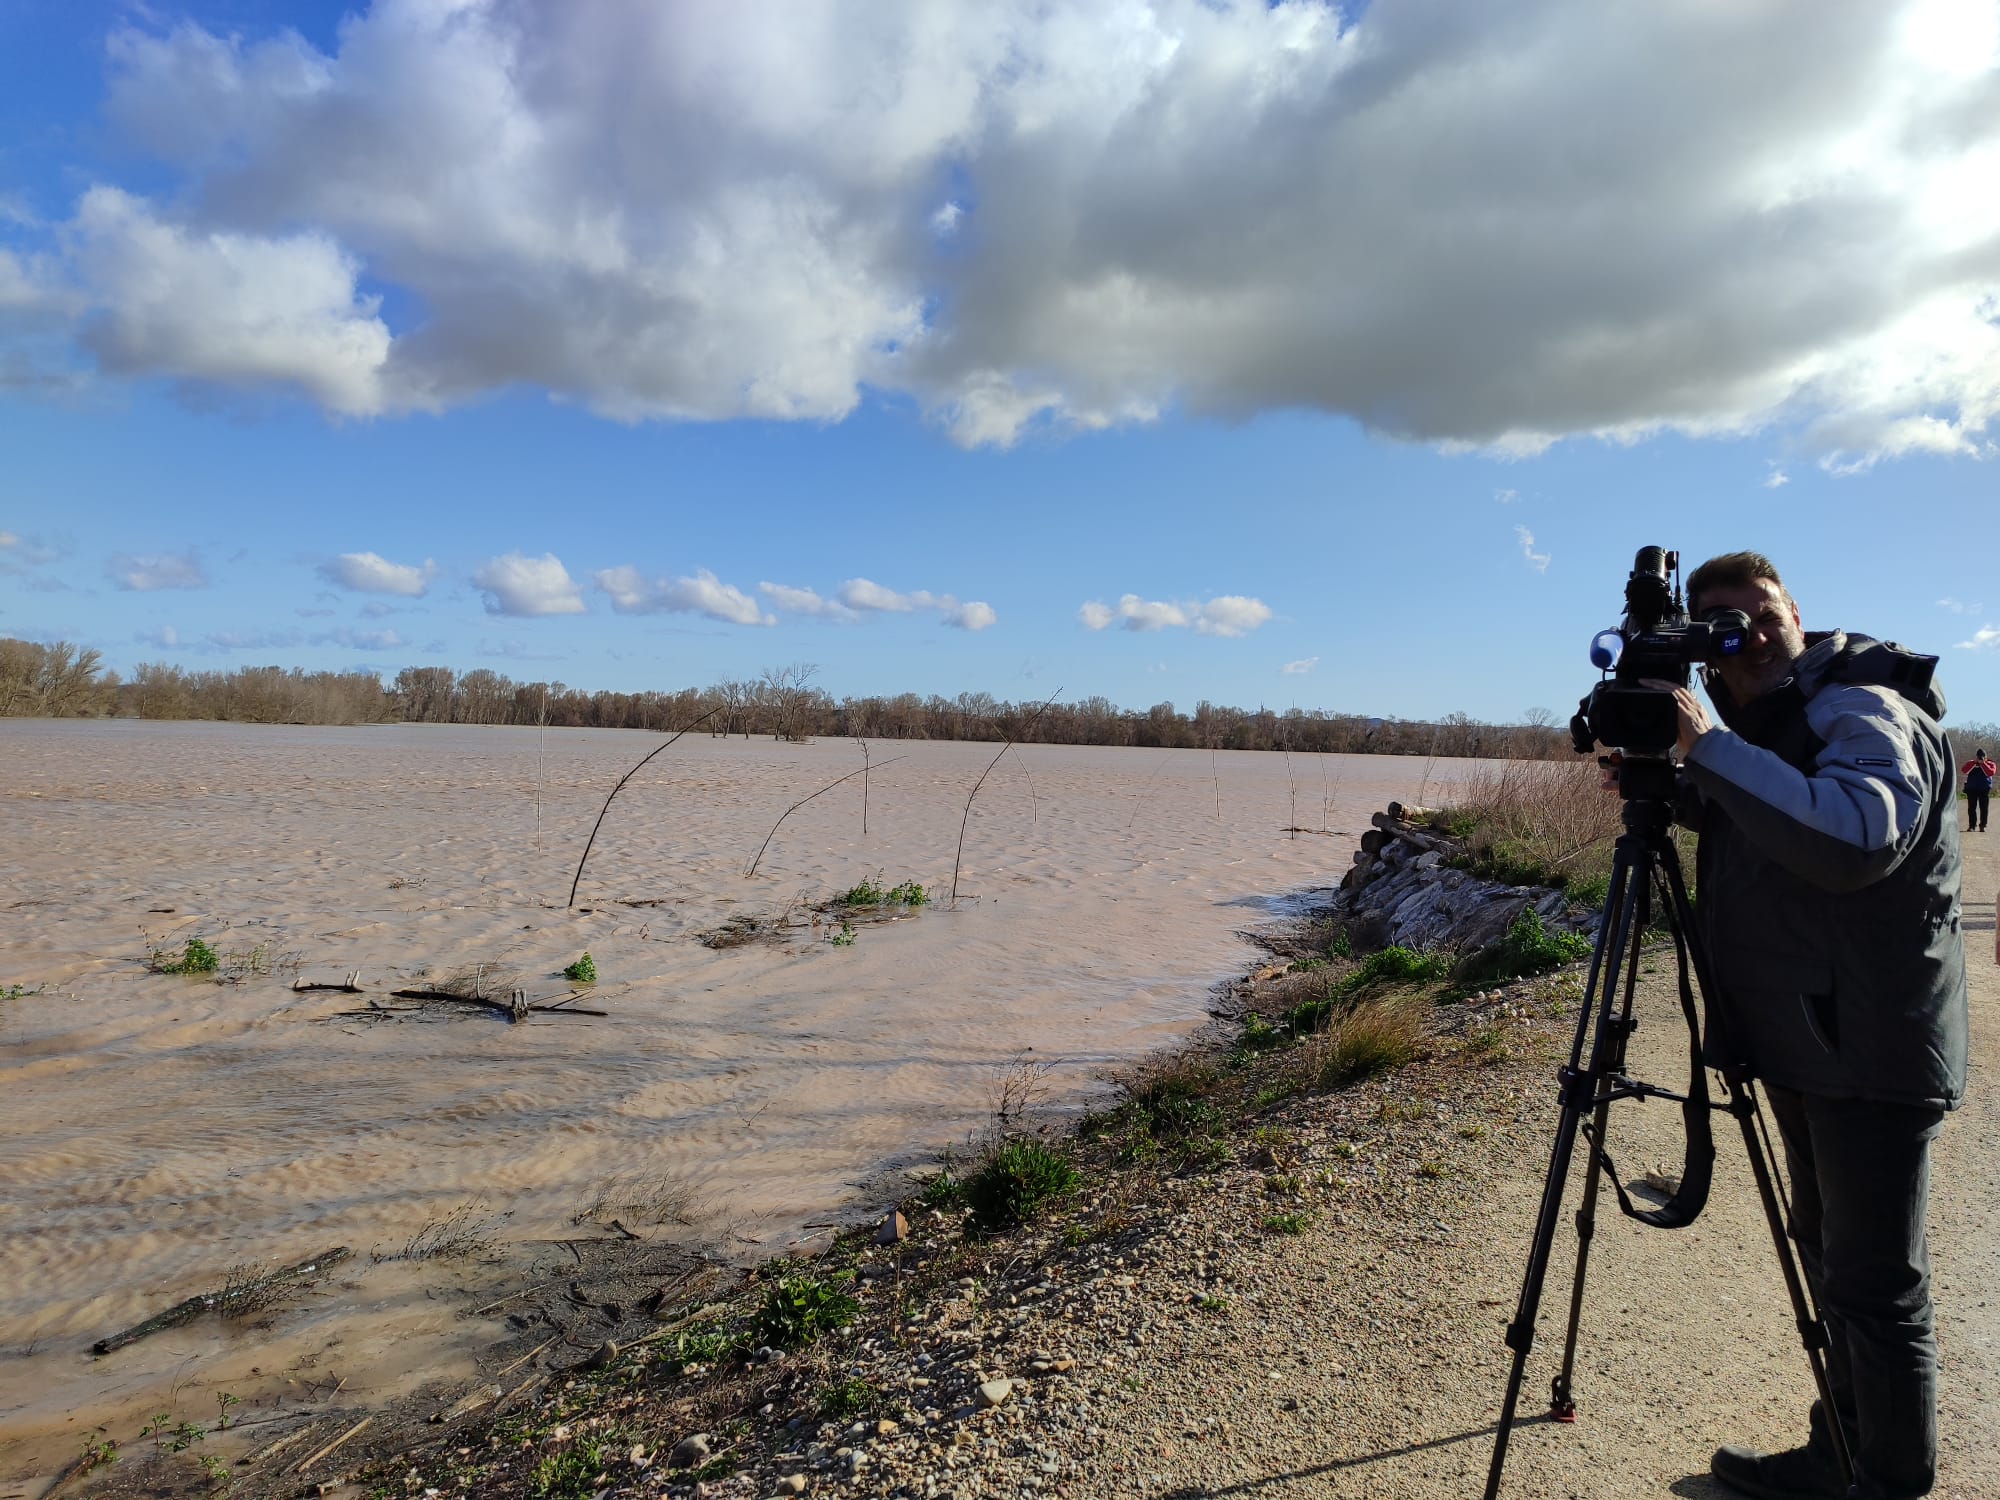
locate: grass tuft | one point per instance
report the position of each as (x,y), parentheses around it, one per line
(1015,1182)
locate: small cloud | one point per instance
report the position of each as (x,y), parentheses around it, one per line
(1539,561)
(163,636)
(156,571)
(1958,607)
(797,601)
(1777,479)
(1506,497)
(19,553)
(945,220)
(528,586)
(1224,615)
(973,616)
(1986,638)
(369,573)
(1299,668)
(247,640)
(703,594)
(1231,615)
(361,640)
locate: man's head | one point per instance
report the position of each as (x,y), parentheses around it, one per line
(1749,581)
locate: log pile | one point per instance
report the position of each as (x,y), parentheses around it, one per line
(1403,889)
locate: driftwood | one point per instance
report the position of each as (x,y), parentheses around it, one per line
(318,1453)
(224,1301)
(348,986)
(516,1007)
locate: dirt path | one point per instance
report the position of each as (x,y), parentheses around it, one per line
(1374,1366)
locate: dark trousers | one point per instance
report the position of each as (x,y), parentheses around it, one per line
(1860,1180)
(1975,808)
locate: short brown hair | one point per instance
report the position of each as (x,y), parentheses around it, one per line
(1732,570)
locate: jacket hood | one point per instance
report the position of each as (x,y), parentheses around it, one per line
(1837,655)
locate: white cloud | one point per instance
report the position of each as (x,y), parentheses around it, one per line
(164,636)
(1539,561)
(1506,497)
(219,641)
(1448,246)
(228,308)
(1958,607)
(156,571)
(1777,479)
(1224,615)
(972,615)
(518,585)
(702,594)
(1231,615)
(370,573)
(798,601)
(1299,668)
(20,553)
(1986,638)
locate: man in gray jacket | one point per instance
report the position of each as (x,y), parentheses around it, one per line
(1827,888)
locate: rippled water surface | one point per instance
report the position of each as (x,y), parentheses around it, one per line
(156,1130)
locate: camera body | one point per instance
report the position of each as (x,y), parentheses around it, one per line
(1656,642)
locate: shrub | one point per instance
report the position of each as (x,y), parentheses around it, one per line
(1015,1181)
(1370,1039)
(583,971)
(1528,948)
(909,893)
(196,958)
(1396,965)
(865,892)
(1534,822)
(798,1309)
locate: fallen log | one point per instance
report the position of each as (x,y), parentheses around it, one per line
(351,985)
(223,1302)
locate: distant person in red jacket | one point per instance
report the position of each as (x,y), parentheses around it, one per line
(1978,773)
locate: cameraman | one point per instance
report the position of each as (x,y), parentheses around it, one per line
(1828,899)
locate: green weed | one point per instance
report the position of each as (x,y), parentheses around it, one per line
(847,1400)
(1396,964)
(1528,948)
(1013,1183)
(798,1309)
(568,1475)
(583,971)
(1294,1223)
(197,957)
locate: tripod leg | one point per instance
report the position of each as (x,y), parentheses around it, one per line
(1763,1168)
(1579,1094)
(1562,1393)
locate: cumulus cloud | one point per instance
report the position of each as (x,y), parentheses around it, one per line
(864,596)
(1448,246)
(143,574)
(1986,638)
(370,573)
(797,601)
(1539,561)
(703,594)
(1299,668)
(1225,614)
(518,585)
(1777,479)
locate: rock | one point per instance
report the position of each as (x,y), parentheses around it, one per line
(691,1452)
(792,1484)
(894,1228)
(993,1392)
(886,1428)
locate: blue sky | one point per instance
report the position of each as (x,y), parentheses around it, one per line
(1265,355)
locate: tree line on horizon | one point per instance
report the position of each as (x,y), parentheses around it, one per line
(62,680)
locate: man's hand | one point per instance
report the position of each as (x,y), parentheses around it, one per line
(1694,720)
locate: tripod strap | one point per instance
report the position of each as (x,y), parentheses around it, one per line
(1698,1160)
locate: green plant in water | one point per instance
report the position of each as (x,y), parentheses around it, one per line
(864,893)
(909,893)
(798,1309)
(845,937)
(197,957)
(583,971)
(1015,1181)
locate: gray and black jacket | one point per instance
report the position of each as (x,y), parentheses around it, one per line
(1827,884)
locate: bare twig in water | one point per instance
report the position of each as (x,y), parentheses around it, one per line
(464,1230)
(802,802)
(619,788)
(864,784)
(243,1291)
(1020,1087)
(1216,777)
(959,858)
(1292,782)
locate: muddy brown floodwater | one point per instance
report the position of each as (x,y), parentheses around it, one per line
(156,1131)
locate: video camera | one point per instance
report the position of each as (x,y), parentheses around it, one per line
(1657,641)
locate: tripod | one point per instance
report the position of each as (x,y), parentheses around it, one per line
(1643,857)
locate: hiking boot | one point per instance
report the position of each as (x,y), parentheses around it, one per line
(1796,1474)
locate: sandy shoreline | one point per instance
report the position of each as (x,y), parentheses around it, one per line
(160,1130)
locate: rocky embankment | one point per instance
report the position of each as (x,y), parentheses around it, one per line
(1406,888)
